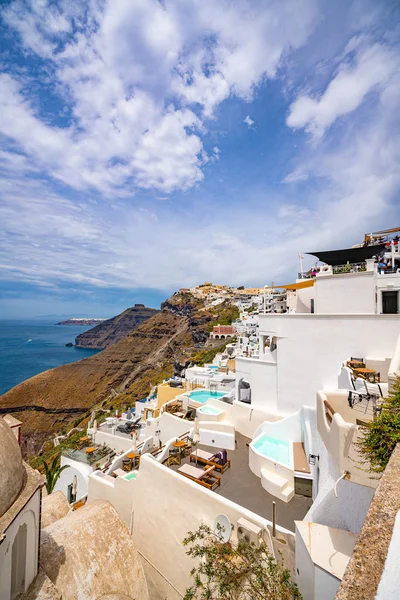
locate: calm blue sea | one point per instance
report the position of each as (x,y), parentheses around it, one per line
(32,346)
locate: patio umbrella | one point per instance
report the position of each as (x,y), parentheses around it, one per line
(129,414)
(134,447)
(196,434)
(95,425)
(74,487)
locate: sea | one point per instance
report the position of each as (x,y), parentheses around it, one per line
(28,347)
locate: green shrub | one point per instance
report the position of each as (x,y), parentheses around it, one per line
(228,572)
(379,437)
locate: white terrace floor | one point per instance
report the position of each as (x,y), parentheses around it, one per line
(240,485)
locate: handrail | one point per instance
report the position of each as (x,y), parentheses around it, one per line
(331,411)
(329,407)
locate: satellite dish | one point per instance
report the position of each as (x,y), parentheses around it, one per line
(223,528)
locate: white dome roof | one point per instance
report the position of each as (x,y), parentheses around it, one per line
(11,468)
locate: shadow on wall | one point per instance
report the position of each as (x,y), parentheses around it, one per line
(244,391)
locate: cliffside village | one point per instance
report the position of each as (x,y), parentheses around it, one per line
(261,445)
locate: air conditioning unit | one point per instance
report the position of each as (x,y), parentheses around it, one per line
(249,532)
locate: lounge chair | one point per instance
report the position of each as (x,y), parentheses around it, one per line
(217,460)
(203,477)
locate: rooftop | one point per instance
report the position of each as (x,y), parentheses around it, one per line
(241,486)
(329,548)
(89,454)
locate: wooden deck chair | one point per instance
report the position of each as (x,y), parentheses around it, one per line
(205,477)
(209,458)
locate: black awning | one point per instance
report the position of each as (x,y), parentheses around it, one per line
(351,255)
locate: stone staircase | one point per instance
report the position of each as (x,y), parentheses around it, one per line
(277,485)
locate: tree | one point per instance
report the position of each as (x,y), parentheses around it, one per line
(52,473)
(378,438)
(227,572)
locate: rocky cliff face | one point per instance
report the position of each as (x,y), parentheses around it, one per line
(113,330)
(53,401)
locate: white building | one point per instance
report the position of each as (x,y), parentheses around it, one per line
(340,316)
(20,500)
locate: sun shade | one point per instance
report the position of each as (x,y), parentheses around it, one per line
(297,286)
(348,255)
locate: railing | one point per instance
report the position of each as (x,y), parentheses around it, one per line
(329,411)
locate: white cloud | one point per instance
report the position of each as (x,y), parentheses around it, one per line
(139,79)
(371,70)
(140,83)
(249,121)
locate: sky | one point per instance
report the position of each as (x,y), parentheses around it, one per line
(150,145)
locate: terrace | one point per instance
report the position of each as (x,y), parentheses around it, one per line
(238,484)
(91,455)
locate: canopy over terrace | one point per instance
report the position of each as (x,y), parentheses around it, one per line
(293,286)
(336,258)
(359,253)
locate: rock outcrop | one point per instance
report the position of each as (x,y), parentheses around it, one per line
(90,554)
(113,330)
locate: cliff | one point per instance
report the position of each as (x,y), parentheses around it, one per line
(113,330)
(53,401)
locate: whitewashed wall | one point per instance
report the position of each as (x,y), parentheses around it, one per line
(346,293)
(262,376)
(305,573)
(247,419)
(29,515)
(349,508)
(184,508)
(116,442)
(119,493)
(286,429)
(303,299)
(310,351)
(340,439)
(78,469)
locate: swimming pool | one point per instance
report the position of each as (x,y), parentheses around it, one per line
(276,450)
(201,396)
(209,410)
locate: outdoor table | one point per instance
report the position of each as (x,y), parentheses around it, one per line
(180,445)
(369,374)
(134,457)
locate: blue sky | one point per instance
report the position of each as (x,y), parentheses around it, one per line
(147,146)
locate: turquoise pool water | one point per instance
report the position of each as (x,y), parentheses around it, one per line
(278,450)
(209,410)
(131,475)
(202,396)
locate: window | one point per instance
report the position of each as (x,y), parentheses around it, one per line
(390,303)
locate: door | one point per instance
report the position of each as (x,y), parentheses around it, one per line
(390,303)
(18,566)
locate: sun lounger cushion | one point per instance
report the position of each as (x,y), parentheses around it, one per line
(204,454)
(194,472)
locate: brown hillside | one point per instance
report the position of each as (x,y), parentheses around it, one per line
(123,373)
(113,330)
